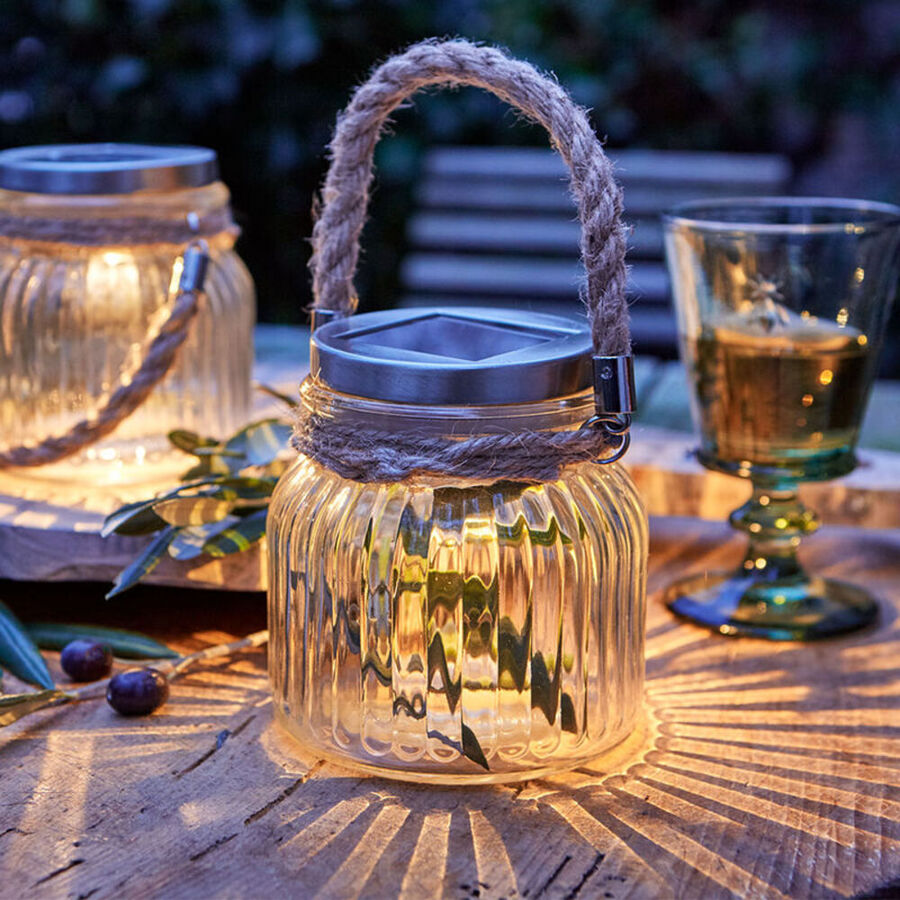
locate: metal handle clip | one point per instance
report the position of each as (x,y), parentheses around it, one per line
(614,401)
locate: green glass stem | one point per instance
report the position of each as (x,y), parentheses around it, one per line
(774,522)
(771,595)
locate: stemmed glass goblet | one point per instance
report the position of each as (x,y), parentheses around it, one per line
(782,304)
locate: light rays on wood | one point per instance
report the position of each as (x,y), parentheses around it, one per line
(350,878)
(759,770)
(424,877)
(491,855)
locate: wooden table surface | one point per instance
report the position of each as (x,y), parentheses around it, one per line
(760,770)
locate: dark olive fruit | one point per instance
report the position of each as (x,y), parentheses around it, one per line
(137,692)
(85,660)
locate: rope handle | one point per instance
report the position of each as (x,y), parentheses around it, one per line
(136,387)
(345,194)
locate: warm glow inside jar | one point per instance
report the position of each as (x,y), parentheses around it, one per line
(90,244)
(456,630)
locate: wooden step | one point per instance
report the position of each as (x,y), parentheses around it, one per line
(511,195)
(496,276)
(684,167)
(517,233)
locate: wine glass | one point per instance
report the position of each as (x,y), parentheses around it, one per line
(782,304)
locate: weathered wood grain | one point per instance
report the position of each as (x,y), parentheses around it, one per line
(761,770)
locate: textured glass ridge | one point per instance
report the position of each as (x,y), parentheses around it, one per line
(457,631)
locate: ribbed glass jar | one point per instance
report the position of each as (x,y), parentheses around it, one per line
(453,631)
(75,318)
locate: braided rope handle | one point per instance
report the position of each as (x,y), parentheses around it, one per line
(345,193)
(134,388)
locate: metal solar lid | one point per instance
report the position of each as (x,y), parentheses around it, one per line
(105,168)
(448,356)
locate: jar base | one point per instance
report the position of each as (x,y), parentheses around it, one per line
(450,779)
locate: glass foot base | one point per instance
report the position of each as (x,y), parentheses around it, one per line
(788,609)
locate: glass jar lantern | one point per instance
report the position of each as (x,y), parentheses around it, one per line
(456,586)
(90,244)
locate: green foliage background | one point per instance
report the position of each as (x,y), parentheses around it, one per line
(261,81)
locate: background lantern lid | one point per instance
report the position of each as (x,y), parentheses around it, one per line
(105,168)
(457,355)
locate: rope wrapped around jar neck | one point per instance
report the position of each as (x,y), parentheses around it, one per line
(367,455)
(117,231)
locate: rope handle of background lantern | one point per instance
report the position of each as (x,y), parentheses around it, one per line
(134,388)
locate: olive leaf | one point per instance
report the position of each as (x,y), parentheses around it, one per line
(189,543)
(544,689)
(144,564)
(195,510)
(468,746)
(15,706)
(568,720)
(211,464)
(140,518)
(133,519)
(472,749)
(189,441)
(260,442)
(18,652)
(242,487)
(124,644)
(513,651)
(239,537)
(437,660)
(215,510)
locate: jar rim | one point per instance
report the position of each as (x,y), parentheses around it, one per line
(444,356)
(106,168)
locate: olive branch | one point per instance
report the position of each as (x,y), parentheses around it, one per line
(220,508)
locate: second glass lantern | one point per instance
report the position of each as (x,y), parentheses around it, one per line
(91,238)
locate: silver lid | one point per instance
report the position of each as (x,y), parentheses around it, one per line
(449,356)
(105,168)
